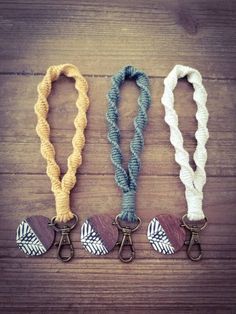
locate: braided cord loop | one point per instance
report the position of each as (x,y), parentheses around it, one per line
(127,179)
(193,180)
(61,188)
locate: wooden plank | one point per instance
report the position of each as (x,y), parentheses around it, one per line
(20,144)
(39,282)
(102,37)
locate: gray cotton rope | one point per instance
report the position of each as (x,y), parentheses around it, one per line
(127,179)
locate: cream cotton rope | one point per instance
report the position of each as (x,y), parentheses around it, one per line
(193,180)
(61,188)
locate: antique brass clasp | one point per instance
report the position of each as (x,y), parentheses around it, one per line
(65,241)
(126,240)
(194,238)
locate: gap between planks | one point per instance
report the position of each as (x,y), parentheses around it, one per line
(109,75)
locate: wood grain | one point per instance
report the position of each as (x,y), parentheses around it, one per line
(130,283)
(172,229)
(100,37)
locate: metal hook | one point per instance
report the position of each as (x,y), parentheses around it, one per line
(65,241)
(194,239)
(126,240)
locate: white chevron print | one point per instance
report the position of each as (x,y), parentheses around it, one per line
(158,238)
(27,240)
(91,240)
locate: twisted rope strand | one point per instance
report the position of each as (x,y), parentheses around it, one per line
(127,180)
(61,189)
(193,181)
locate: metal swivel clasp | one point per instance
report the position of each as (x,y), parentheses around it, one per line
(194,238)
(126,240)
(194,241)
(65,242)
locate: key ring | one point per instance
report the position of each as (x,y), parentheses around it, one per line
(36,234)
(56,227)
(194,224)
(165,232)
(99,233)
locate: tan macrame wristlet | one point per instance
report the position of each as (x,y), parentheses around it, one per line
(62,188)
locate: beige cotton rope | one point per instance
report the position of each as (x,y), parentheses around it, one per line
(193,180)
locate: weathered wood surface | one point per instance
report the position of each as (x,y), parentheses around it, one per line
(100,37)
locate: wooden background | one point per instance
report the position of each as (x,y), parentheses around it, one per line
(100,37)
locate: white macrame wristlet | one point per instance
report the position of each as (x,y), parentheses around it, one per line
(193,180)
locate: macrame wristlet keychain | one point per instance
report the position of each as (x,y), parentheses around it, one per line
(166,233)
(99,234)
(36,234)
